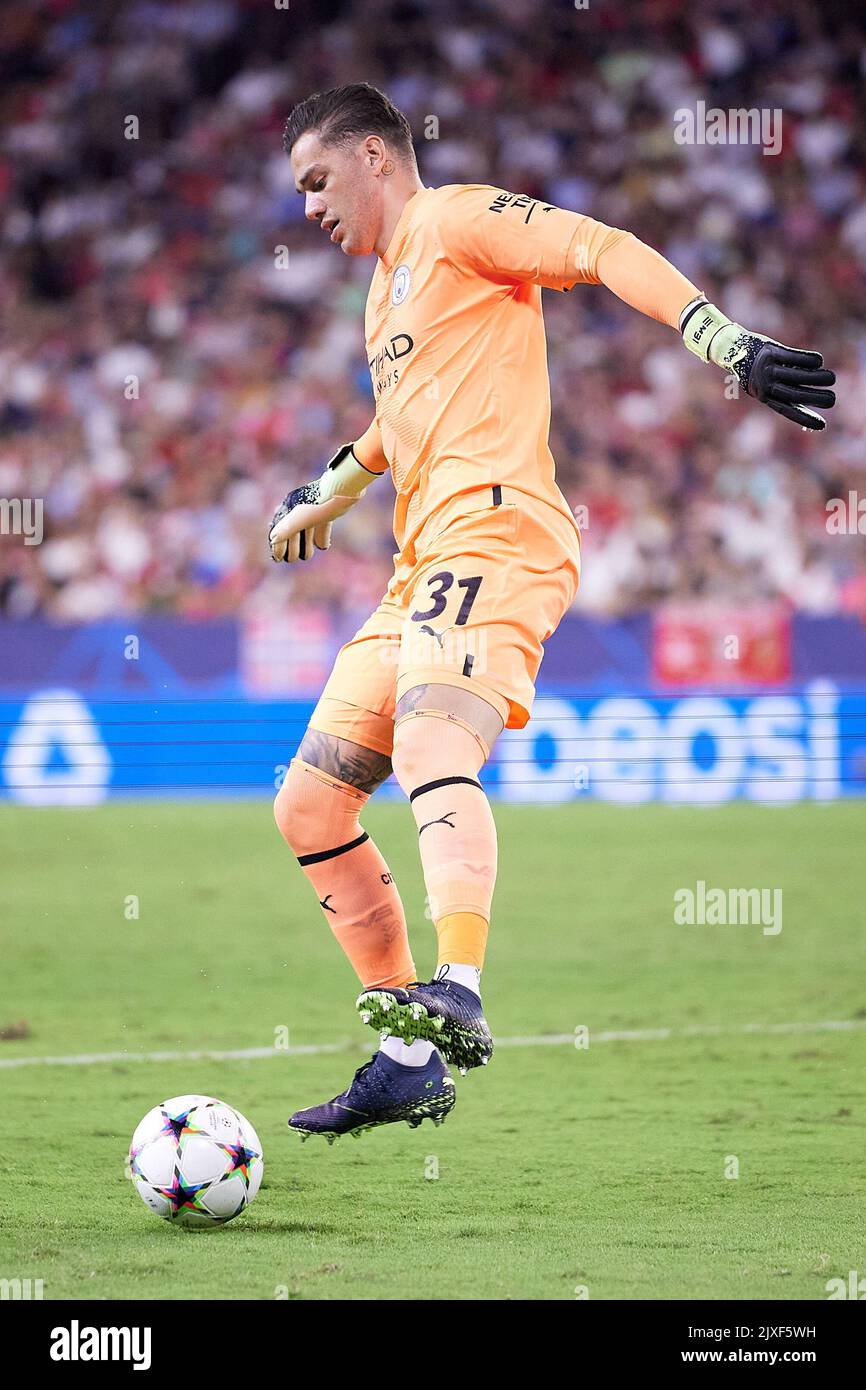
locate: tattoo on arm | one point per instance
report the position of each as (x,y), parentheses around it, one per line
(361,767)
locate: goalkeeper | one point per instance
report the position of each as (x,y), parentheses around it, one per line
(488,557)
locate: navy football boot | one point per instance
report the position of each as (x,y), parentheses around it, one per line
(445,1013)
(381,1093)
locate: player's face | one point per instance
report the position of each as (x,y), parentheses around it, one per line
(342,192)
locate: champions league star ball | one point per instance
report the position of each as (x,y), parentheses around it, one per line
(195,1161)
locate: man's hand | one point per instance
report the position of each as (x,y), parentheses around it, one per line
(302,523)
(289,538)
(791,381)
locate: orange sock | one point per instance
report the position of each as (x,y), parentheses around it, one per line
(462,939)
(317,815)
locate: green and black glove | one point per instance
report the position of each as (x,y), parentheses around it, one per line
(302,523)
(790,381)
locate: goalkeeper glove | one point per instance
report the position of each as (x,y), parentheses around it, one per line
(789,380)
(303,521)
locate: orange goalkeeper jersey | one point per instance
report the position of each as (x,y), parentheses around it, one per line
(456,343)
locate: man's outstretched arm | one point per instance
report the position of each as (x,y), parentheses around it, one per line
(514,237)
(791,381)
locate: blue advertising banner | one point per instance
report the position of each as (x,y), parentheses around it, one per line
(65,747)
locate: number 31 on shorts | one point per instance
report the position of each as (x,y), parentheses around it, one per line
(441,587)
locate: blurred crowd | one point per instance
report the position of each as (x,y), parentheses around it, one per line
(168,372)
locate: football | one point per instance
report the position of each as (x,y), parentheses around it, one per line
(195,1161)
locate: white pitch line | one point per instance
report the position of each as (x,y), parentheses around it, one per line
(246,1054)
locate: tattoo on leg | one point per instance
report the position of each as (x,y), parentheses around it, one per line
(465,704)
(361,767)
(411,700)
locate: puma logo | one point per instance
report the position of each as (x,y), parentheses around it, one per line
(438,635)
(443,820)
(324,904)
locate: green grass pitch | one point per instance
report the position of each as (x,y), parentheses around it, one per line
(561,1169)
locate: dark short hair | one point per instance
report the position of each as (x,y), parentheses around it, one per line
(345,114)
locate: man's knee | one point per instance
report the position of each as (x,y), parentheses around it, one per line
(430,744)
(316,811)
(307,804)
(294,812)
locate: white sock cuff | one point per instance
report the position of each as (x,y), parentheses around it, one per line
(415,1054)
(467,975)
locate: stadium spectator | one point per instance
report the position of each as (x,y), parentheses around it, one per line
(179,348)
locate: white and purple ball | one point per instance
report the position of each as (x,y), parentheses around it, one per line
(196,1161)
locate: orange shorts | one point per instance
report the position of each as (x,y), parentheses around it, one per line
(471,602)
